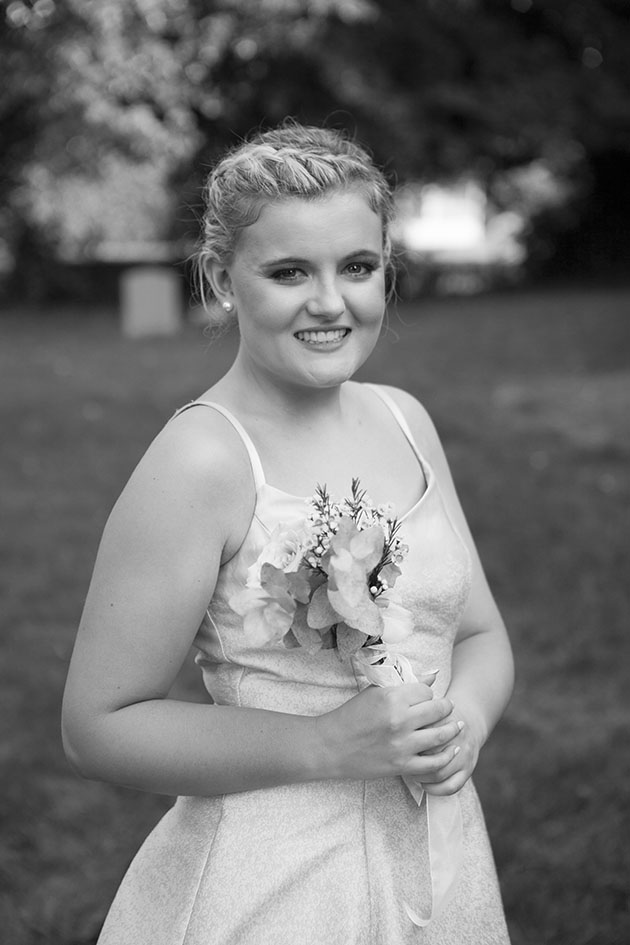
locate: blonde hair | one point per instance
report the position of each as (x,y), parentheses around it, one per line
(291,160)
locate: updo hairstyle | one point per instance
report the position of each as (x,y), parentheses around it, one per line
(291,160)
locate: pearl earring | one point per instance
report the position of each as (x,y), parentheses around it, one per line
(227,306)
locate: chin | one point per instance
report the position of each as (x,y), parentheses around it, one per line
(331,379)
(332,375)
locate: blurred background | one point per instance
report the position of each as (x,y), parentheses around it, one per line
(505,127)
(506,124)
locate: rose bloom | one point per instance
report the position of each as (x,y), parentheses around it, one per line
(285,550)
(397,620)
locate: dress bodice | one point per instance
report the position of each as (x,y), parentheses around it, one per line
(434,586)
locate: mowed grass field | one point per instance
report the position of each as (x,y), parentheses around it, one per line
(531,393)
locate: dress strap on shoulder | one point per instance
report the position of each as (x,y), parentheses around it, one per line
(254,458)
(399,416)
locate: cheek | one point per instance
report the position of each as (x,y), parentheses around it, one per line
(371,301)
(374,309)
(264,331)
(261,313)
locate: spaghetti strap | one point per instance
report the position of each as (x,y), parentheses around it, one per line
(254,458)
(399,416)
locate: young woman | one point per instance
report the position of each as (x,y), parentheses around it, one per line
(312,807)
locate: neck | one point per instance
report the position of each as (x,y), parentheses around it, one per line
(254,394)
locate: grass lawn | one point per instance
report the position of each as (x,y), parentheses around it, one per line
(531,393)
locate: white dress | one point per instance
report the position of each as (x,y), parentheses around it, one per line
(329,862)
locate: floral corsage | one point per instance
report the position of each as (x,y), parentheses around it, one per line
(328,581)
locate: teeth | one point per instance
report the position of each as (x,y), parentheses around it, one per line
(321,337)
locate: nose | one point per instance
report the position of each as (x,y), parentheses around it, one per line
(326,300)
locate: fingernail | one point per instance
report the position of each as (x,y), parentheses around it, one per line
(456,750)
(460,725)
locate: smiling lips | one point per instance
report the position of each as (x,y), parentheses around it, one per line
(321,337)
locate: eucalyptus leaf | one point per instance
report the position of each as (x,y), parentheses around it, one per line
(349,640)
(390,573)
(320,611)
(306,636)
(290,641)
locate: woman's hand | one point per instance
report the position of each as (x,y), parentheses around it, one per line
(452,776)
(390,731)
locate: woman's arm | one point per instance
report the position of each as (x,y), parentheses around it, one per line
(186,508)
(482,667)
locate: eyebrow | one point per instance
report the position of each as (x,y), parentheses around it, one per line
(299,261)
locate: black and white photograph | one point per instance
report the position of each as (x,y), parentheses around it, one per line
(315,477)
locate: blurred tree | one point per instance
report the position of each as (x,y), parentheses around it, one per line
(110,108)
(531,97)
(107,103)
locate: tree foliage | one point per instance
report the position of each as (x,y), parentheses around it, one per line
(109,109)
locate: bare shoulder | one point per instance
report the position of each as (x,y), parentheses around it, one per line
(197,467)
(202,441)
(419,420)
(430,446)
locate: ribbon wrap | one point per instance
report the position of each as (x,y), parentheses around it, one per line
(380,667)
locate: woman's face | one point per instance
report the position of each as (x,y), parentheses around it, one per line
(307,279)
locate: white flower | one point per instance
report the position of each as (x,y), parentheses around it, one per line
(387,511)
(397,620)
(285,549)
(265,620)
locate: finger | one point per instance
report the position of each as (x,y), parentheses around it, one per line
(430,768)
(456,767)
(450,785)
(431,712)
(417,693)
(433,740)
(453,728)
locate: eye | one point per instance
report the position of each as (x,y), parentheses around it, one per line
(359,268)
(290,274)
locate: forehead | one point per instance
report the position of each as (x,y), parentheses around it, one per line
(337,224)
